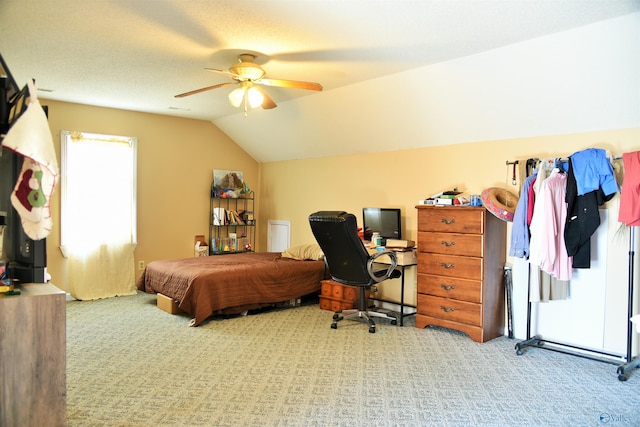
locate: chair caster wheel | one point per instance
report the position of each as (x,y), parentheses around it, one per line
(394,322)
(336,316)
(372,330)
(334,326)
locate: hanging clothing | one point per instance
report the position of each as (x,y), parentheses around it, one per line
(532,199)
(592,169)
(583,219)
(536,203)
(544,288)
(543,173)
(629,213)
(547,246)
(520,229)
(559,265)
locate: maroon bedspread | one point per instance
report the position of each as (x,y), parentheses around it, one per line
(231,284)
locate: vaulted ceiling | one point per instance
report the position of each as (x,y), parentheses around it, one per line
(138,54)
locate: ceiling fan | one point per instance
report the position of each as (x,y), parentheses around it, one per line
(249,75)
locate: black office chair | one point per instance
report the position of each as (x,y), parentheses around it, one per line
(349,262)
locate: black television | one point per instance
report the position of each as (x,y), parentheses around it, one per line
(386,221)
(27,258)
(8,90)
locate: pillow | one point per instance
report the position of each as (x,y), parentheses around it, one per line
(304,252)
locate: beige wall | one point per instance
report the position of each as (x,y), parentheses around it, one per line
(176,158)
(291,190)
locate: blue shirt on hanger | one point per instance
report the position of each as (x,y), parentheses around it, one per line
(520,230)
(593,170)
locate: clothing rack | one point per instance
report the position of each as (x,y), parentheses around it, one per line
(626,363)
(533,161)
(624,370)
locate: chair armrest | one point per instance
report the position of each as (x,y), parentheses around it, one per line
(390,269)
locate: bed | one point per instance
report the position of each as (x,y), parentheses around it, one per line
(234,283)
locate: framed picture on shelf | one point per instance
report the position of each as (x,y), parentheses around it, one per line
(228,179)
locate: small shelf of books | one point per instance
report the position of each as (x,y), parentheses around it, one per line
(232,225)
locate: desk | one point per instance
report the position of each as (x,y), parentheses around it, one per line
(405,259)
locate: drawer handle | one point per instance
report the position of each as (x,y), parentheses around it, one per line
(448,221)
(447,266)
(447,243)
(447,287)
(447,309)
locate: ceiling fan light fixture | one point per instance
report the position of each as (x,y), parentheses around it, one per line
(248,71)
(246,94)
(255,97)
(236,96)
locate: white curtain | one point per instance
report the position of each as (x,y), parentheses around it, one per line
(98,215)
(105,271)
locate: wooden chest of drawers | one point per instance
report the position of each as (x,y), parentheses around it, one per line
(335,296)
(461,256)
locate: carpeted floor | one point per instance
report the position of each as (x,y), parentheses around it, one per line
(131,364)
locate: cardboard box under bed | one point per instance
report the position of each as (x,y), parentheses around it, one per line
(167,304)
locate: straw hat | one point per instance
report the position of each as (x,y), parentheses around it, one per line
(500,202)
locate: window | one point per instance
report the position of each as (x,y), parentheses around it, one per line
(98,206)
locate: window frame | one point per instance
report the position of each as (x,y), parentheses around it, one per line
(65,138)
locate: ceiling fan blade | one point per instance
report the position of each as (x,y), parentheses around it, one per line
(223,72)
(268,103)
(204,89)
(290,84)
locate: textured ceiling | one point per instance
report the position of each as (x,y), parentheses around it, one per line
(138,54)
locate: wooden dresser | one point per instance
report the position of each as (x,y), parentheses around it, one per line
(461,257)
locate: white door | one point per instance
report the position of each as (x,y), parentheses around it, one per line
(278,235)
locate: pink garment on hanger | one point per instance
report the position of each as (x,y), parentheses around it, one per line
(629,213)
(547,246)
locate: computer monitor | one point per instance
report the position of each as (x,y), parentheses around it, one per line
(386,221)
